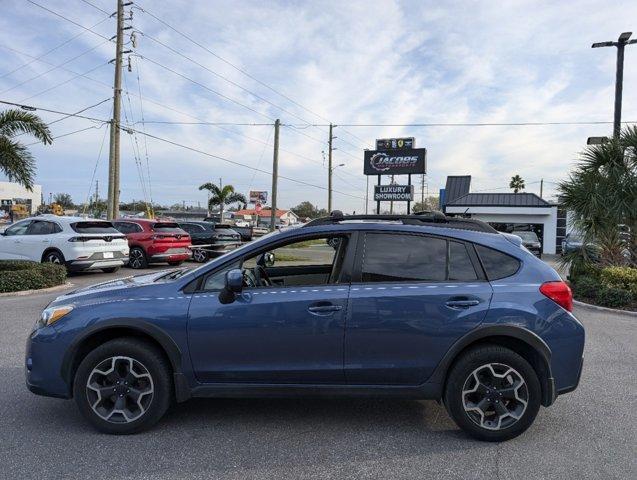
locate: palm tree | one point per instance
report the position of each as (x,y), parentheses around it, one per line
(222,196)
(602,195)
(16,162)
(516,183)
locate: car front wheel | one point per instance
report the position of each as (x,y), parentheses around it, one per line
(123,386)
(492,393)
(199,255)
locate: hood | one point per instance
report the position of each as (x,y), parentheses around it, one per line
(112,287)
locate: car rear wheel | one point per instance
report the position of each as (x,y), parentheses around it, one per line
(53,256)
(199,255)
(137,258)
(492,393)
(123,386)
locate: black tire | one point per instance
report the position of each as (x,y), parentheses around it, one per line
(110,269)
(175,264)
(53,256)
(462,372)
(146,357)
(137,258)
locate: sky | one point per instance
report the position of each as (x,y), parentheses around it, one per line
(310,63)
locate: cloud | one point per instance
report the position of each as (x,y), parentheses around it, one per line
(348,62)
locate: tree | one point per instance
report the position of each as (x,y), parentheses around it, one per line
(430,203)
(16,161)
(516,183)
(601,193)
(307,210)
(64,200)
(222,196)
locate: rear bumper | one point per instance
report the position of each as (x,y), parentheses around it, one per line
(169,257)
(84,265)
(576,384)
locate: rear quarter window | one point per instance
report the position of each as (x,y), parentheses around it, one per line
(496,264)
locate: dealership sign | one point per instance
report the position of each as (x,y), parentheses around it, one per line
(395,143)
(395,162)
(393,193)
(258,196)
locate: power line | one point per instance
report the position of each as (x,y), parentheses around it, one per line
(48,110)
(486,124)
(239,164)
(64,82)
(39,57)
(67,134)
(69,20)
(52,69)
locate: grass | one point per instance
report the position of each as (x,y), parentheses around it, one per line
(307,243)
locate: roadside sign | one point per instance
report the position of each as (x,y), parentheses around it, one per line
(393,193)
(398,162)
(258,196)
(395,143)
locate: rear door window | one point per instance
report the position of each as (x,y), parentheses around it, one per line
(497,264)
(94,227)
(403,258)
(127,227)
(42,228)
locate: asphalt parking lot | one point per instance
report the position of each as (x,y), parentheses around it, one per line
(590,433)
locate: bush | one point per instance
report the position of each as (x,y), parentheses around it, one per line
(586,287)
(16,275)
(624,277)
(613,297)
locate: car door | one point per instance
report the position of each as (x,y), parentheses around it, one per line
(38,238)
(411,297)
(272,334)
(11,241)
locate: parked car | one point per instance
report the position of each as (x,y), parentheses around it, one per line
(75,242)
(572,242)
(246,232)
(154,241)
(530,241)
(425,307)
(209,238)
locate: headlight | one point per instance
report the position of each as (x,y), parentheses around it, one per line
(53,314)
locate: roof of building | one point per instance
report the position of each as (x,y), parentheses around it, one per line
(262,213)
(457,186)
(498,200)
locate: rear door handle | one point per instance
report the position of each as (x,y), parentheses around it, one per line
(466,303)
(324,309)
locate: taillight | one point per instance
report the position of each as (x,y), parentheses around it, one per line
(559,292)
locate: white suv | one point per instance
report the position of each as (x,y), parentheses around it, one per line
(78,243)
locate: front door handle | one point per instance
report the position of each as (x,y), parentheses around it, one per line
(324,309)
(462,303)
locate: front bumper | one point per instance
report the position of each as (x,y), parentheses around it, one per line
(43,364)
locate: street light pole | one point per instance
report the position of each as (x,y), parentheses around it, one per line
(621,43)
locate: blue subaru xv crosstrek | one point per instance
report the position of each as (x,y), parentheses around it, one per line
(420,306)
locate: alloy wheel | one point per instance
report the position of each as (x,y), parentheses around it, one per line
(199,256)
(136,258)
(53,258)
(495,396)
(120,389)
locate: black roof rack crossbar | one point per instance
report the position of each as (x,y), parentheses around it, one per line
(433,218)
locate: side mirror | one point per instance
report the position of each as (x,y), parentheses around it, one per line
(233,286)
(268,259)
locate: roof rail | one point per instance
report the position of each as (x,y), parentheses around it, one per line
(433,218)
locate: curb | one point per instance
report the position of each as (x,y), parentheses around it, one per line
(605,309)
(24,293)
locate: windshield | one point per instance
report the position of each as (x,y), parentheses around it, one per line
(167,227)
(527,236)
(94,227)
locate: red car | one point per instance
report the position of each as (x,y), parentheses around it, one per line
(154,241)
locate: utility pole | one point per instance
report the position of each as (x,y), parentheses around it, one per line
(113,154)
(97,190)
(329,171)
(541,187)
(366,193)
(621,43)
(275,174)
